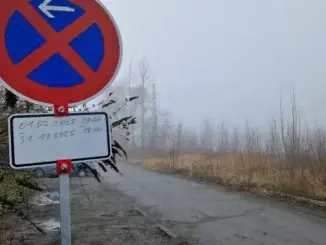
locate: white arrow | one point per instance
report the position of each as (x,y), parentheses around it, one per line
(46,8)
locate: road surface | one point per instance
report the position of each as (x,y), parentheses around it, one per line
(209,215)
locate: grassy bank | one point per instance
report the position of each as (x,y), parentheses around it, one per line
(10,190)
(249,172)
(15,191)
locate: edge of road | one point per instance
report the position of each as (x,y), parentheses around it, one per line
(167,231)
(301,200)
(179,240)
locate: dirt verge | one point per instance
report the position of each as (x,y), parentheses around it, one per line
(100,215)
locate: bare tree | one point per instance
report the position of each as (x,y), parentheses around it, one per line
(273,142)
(144,78)
(165,129)
(131,107)
(223,145)
(207,137)
(154,119)
(176,144)
(291,131)
(235,144)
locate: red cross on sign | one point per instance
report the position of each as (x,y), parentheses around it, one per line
(57,51)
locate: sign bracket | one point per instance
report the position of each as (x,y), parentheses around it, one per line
(61,110)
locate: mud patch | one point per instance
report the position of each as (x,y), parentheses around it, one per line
(109,219)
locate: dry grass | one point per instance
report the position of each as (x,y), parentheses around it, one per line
(305,178)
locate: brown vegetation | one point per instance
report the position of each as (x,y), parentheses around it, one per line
(288,158)
(251,172)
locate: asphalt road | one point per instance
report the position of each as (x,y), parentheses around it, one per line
(210,215)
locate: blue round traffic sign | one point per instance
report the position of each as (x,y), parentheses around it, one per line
(58,51)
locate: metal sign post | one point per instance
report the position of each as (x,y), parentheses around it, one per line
(64,168)
(65,209)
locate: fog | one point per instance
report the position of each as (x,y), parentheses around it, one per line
(225,59)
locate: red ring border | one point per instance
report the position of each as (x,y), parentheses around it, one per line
(92,86)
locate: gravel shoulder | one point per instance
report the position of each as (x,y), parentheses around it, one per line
(100,214)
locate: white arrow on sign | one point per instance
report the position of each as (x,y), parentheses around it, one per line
(45,7)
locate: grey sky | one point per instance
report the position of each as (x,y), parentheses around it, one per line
(228,59)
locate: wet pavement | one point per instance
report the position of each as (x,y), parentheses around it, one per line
(210,215)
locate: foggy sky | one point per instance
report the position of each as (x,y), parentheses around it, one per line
(228,59)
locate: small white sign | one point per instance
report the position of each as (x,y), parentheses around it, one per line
(42,139)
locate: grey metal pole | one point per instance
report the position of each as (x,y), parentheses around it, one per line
(65,210)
